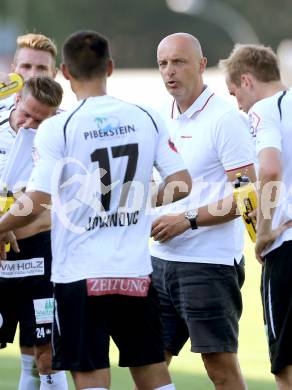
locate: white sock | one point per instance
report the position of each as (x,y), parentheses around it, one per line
(57,381)
(166,387)
(27,380)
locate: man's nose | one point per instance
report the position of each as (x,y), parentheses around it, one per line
(170,70)
(33,72)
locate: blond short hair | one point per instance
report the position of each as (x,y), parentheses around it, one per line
(259,60)
(44,89)
(37,42)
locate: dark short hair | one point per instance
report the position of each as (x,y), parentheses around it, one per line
(43,89)
(86,54)
(259,60)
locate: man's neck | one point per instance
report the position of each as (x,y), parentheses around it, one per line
(87,89)
(184,104)
(271,88)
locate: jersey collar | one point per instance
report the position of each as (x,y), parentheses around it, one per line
(199,104)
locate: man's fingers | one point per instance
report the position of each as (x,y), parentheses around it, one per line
(13,242)
(252,214)
(2,252)
(8,238)
(259,259)
(14,245)
(4,78)
(156,222)
(161,235)
(155,230)
(286,225)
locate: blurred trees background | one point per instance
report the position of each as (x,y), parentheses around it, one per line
(135,27)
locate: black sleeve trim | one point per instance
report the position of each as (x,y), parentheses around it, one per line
(153,121)
(5,120)
(279,103)
(67,121)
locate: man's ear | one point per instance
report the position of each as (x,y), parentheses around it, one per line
(110,68)
(65,72)
(203,64)
(17,99)
(246,80)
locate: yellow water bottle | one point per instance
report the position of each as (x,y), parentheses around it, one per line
(246,199)
(15,84)
(6,201)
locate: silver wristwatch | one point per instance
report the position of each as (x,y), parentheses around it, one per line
(191,215)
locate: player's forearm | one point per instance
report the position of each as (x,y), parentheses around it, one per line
(218,212)
(41,224)
(10,222)
(269,176)
(268,194)
(175,187)
(24,211)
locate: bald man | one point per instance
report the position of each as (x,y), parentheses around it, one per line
(197,249)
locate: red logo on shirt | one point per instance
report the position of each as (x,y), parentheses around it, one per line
(254,121)
(172,146)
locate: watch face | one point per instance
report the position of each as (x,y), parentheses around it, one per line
(191,214)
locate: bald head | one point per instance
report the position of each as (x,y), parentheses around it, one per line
(184,40)
(181,64)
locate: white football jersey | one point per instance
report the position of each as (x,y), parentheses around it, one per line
(7,138)
(18,166)
(271,121)
(7,103)
(96,161)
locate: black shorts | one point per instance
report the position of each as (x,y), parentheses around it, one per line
(84,324)
(201,301)
(276,290)
(18,295)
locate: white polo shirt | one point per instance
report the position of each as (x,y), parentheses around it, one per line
(7,138)
(100,144)
(212,138)
(271,119)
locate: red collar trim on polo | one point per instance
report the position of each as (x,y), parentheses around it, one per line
(199,104)
(235,169)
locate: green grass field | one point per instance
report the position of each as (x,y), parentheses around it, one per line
(187,369)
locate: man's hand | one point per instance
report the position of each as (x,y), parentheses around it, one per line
(168,226)
(7,238)
(253,214)
(4,78)
(265,240)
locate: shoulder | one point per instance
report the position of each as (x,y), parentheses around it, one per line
(223,112)
(59,119)
(270,104)
(226,115)
(219,104)
(144,114)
